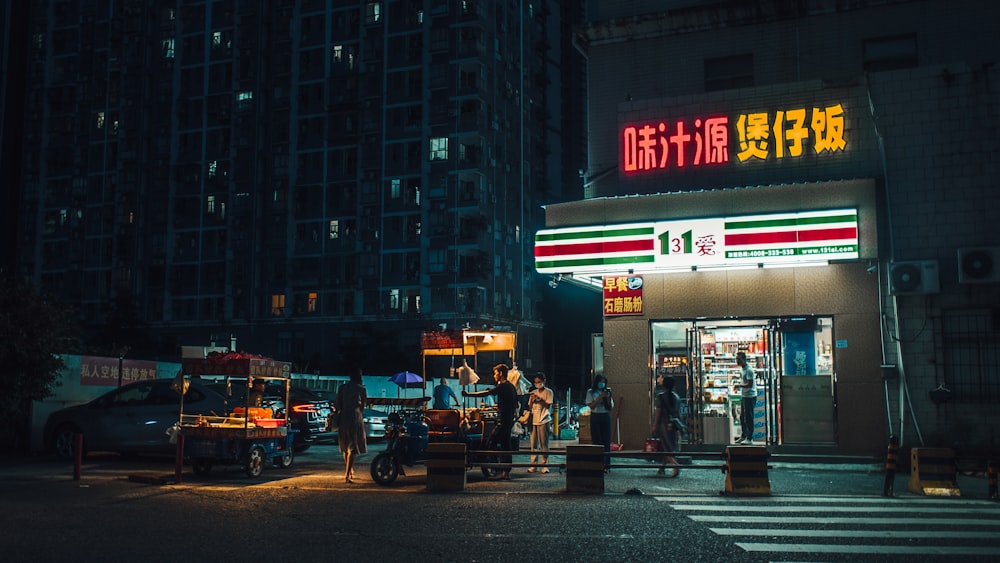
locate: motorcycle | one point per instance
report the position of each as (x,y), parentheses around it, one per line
(406,439)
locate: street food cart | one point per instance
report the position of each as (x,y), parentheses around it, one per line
(245,434)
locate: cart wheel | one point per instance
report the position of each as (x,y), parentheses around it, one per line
(201,466)
(384,469)
(284,461)
(255,462)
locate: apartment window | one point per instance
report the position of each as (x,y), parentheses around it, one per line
(100,120)
(395,188)
(168,48)
(277,305)
(373,12)
(439,148)
(213,168)
(394,299)
(726,73)
(312,302)
(334,229)
(890,53)
(436,261)
(210,207)
(338,53)
(244,100)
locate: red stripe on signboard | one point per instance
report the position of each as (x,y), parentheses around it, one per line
(792,236)
(829,234)
(594,248)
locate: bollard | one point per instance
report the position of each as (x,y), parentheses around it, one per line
(890,466)
(445,466)
(77,455)
(933,472)
(585,469)
(991,479)
(746,470)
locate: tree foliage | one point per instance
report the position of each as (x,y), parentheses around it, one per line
(33,330)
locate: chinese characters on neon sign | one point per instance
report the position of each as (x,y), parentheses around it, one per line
(758,136)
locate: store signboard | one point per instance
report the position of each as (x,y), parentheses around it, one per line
(787,133)
(622,295)
(784,239)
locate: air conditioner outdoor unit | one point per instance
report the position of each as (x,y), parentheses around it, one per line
(978,264)
(914,278)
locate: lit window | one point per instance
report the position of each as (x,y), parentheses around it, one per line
(373,12)
(168,48)
(216,38)
(213,167)
(100,120)
(244,99)
(334,229)
(394,189)
(439,148)
(311,302)
(394,299)
(210,207)
(277,305)
(338,53)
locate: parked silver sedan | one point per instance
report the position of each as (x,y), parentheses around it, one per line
(130,419)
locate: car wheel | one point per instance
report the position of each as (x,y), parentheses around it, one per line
(201,466)
(255,462)
(384,469)
(64,441)
(284,461)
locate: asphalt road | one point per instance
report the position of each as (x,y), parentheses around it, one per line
(131,510)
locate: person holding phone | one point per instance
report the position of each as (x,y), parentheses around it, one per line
(540,401)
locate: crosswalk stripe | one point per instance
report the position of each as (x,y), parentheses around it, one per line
(887,534)
(833,500)
(865,509)
(853,520)
(869,549)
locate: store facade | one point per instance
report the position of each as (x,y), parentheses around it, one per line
(809,326)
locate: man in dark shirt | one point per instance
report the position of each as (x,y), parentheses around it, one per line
(506,397)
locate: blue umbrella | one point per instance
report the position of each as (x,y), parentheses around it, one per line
(407,380)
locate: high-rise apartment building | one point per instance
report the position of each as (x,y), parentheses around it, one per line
(323,180)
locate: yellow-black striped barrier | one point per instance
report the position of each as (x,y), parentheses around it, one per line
(933,472)
(585,469)
(890,466)
(445,466)
(746,470)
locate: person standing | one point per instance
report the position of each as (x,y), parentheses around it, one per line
(666,421)
(748,391)
(601,403)
(442,392)
(540,401)
(506,397)
(351,399)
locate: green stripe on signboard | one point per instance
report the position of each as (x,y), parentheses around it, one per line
(610,261)
(791,222)
(602,233)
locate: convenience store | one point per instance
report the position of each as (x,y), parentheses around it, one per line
(808,318)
